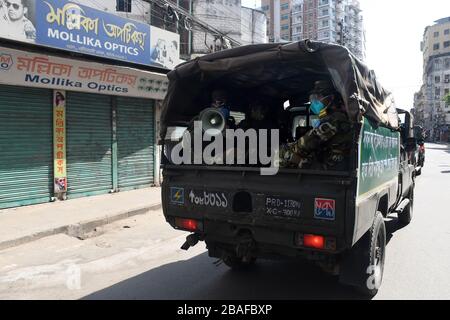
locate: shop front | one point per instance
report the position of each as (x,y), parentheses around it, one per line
(71,128)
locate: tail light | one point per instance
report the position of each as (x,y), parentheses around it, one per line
(188,224)
(316,242)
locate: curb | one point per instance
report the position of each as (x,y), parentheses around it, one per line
(79,229)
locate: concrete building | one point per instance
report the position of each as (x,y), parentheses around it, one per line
(244,25)
(253,26)
(85,124)
(331,21)
(278,14)
(429,107)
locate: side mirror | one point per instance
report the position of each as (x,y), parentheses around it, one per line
(411,144)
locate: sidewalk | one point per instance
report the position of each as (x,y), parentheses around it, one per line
(73,217)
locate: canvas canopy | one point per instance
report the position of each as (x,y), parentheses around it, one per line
(276,72)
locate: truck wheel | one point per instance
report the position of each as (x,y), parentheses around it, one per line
(405,217)
(364,265)
(236,263)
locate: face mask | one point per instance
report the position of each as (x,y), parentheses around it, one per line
(316,106)
(315,123)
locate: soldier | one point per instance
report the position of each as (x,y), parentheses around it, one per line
(330,141)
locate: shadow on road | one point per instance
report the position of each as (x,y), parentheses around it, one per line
(199,279)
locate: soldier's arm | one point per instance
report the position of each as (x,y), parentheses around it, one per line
(317,136)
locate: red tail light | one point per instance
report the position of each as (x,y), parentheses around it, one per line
(188,224)
(313,241)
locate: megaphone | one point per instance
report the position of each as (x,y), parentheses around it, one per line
(213,121)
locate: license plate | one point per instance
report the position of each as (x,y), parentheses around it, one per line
(283,207)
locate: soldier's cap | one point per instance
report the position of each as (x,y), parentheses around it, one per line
(323,88)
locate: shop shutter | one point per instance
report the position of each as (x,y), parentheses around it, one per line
(135,143)
(26,146)
(89,140)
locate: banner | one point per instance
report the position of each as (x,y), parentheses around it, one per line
(42,71)
(69,26)
(59,141)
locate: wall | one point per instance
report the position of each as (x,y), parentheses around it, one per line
(253,26)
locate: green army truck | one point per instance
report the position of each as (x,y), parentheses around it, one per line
(332,217)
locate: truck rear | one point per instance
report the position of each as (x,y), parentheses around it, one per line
(330,216)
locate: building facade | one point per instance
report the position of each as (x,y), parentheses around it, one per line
(331,21)
(430,109)
(77,125)
(253,26)
(278,14)
(242,24)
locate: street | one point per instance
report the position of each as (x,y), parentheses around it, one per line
(140,258)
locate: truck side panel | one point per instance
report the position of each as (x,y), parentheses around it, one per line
(379,160)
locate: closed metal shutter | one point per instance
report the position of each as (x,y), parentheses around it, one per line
(135,142)
(89,141)
(26,146)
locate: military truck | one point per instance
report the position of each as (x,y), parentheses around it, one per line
(334,218)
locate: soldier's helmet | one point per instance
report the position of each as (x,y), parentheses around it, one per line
(323,88)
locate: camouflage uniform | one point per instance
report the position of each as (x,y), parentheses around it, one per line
(328,144)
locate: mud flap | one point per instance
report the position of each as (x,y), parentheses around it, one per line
(353,270)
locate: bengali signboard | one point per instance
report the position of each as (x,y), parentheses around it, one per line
(43,71)
(67,25)
(59,141)
(379,157)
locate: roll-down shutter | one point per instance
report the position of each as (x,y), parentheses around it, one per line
(135,142)
(26,144)
(89,140)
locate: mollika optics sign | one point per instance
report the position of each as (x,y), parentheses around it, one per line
(66,25)
(42,71)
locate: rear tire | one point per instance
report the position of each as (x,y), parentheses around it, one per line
(406,216)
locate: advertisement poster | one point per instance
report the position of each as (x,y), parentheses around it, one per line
(69,26)
(165,48)
(59,141)
(42,71)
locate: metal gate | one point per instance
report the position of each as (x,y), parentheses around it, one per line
(89,140)
(26,146)
(135,142)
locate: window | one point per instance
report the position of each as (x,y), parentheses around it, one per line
(325,23)
(265,8)
(437,79)
(298,29)
(284,17)
(436,46)
(285,6)
(285,27)
(325,12)
(436,34)
(323,2)
(447,31)
(123,5)
(446,44)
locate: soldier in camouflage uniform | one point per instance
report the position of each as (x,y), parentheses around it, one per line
(327,145)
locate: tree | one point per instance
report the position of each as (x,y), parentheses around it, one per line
(447,99)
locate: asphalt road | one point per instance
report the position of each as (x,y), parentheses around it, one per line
(139,258)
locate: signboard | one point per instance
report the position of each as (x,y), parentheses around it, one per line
(69,26)
(36,70)
(59,141)
(380,156)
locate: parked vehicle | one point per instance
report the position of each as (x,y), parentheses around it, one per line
(334,218)
(420,154)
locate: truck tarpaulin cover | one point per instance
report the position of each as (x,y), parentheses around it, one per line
(279,72)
